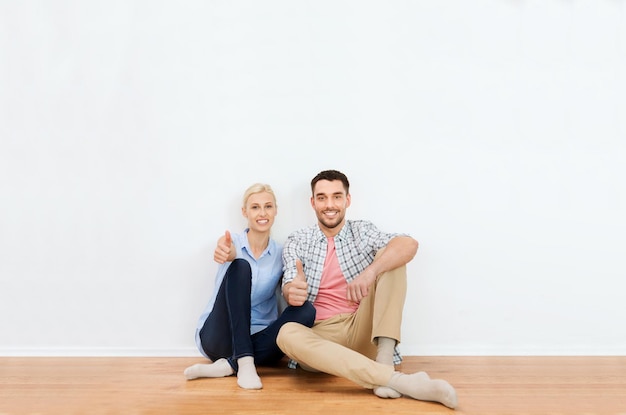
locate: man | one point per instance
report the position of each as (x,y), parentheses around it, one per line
(355,276)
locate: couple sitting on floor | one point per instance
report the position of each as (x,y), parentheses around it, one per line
(344,282)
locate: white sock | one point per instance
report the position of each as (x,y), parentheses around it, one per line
(247,378)
(386,347)
(420,386)
(217,369)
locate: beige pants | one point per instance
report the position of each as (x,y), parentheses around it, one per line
(344,345)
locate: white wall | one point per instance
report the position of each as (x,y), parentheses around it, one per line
(492,131)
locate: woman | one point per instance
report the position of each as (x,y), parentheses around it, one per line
(239,325)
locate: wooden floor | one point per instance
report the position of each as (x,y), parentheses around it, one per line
(485,385)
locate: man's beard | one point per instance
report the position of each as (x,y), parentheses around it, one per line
(337,221)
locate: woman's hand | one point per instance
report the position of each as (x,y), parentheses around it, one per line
(225,251)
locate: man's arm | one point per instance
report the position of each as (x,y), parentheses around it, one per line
(295,291)
(398,252)
(294,287)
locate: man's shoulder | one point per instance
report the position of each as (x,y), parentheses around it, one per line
(304,233)
(355,223)
(359,225)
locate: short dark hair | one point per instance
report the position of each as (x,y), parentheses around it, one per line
(331,175)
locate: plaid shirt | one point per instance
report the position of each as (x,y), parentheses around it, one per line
(356,245)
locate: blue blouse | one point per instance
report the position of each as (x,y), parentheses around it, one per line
(266,273)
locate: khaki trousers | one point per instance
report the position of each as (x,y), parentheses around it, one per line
(344,345)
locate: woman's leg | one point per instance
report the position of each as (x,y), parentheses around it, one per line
(225,336)
(226,332)
(266,351)
(238,283)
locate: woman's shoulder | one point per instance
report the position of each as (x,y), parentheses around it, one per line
(239,238)
(275,245)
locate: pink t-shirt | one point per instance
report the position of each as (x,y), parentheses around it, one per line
(331,298)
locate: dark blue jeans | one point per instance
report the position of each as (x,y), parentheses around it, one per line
(226,332)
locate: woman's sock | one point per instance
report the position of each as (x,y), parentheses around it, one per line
(420,386)
(247,378)
(217,369)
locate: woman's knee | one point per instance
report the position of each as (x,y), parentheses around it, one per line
(308,314)
(239,269)
(304,314)
(240,264)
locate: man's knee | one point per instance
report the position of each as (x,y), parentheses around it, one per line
(286,332)
(393,277)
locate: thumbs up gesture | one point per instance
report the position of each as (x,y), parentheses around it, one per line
(225,250)
(296,291)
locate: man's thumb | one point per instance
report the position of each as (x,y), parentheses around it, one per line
(227,239)
(300,275)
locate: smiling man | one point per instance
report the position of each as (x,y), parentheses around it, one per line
(355,276)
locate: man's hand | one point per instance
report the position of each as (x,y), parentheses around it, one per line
(225,251)
(359,288)
(296,291)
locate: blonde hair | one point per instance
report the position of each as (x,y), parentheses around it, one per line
(258,188)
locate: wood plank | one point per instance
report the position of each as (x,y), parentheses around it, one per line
(148,385)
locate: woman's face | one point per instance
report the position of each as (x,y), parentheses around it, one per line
(260,210)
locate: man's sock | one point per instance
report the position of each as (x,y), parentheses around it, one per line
(420,386)
(247,378)
(217,369)
(386,347)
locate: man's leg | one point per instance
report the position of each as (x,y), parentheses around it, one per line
(375,327)
(307,347)
(310,349)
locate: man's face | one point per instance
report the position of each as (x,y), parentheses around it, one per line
(330,202)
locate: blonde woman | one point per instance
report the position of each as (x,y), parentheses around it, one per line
(239,325)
